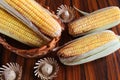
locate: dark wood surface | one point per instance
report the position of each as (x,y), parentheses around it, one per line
(107,68)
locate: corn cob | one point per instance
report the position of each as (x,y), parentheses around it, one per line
(96,44)
(38,15)
(15,29)
(98,20)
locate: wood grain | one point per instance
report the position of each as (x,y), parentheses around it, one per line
(107,68)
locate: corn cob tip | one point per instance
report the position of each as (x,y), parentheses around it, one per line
(11,71)
(65,13)
(46,68)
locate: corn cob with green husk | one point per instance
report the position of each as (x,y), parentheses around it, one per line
(38,15)
(97,21)
(15,29)
(89,48)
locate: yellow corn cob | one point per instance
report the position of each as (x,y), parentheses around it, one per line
(15,29)
(86,44)
(99,20)
(38,15)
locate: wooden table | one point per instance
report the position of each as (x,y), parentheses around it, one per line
(107,68)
